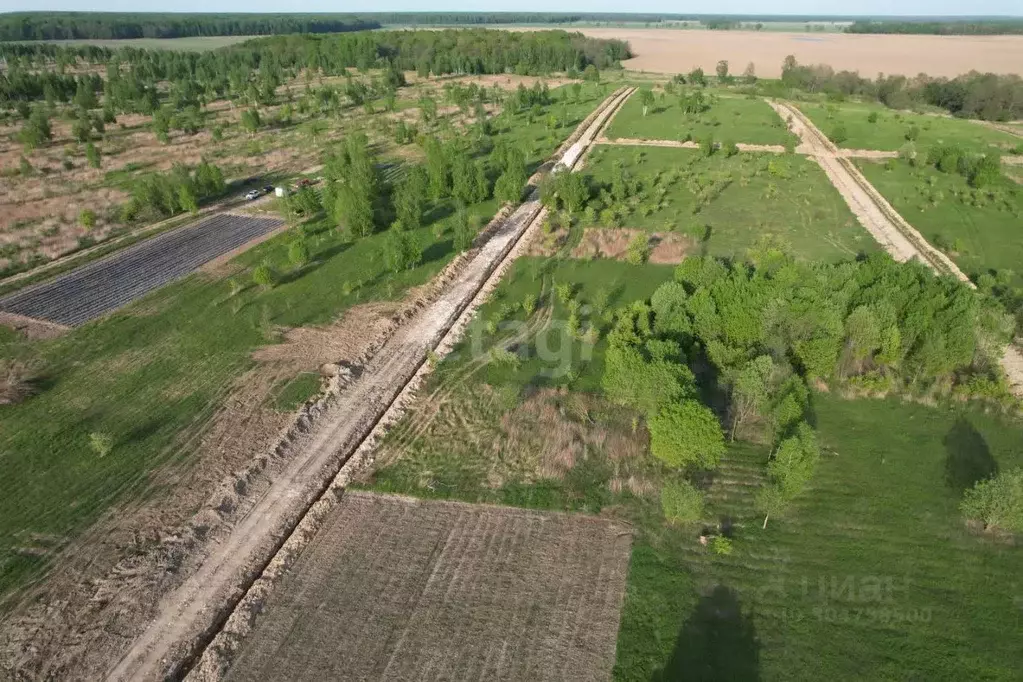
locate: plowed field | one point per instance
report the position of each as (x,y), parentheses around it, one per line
(96,289)
(395,588)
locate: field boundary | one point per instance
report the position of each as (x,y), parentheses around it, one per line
(191,616)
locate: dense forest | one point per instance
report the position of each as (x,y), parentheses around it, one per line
(988,27)
(132,74)
(986,96)
(90,25)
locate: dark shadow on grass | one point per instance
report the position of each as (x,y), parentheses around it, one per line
(968,458)
(717,644)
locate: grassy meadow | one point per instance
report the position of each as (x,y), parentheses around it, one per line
(850,125)
(725,205)
(978,228)
(727,118)
(871,574)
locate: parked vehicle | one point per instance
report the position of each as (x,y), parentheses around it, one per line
(267,189)
(253,194)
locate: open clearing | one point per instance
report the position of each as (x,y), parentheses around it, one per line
(670,52)
(849,126)
(96,289)
(395,589)
(735,119)
(726,205)
(978,228)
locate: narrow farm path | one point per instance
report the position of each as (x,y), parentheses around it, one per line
(189,617)
(890,229)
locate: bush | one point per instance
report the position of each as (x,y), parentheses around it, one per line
(681,502)
(87,218)
(15,381)
(998,501)
(721,545)
(872,118)
(264,276)
(638,249)
(839,134)
(686,434)
(101,443)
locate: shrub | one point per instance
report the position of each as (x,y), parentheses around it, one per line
(721,545)
(997,502)
(681,502)
(15,381)
(872,118)
(529,304)
(685,434)
(101,443)
(264,276)
(912,133)
(638,249)
(731,149)
(87,218)
(839,134)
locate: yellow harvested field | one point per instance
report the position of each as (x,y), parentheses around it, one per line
(671,51)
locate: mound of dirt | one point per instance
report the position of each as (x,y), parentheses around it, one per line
(665,247)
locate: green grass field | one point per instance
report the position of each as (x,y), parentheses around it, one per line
(726,205)
(871,574)
(979,229)
(893,129)
(151,375)
(729,118)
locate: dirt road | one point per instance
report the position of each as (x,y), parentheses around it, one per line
(874,212)
(188,617)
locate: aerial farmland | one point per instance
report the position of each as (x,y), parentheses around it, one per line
(488,353)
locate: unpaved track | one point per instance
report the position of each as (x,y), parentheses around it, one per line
(890,229)
(189,617)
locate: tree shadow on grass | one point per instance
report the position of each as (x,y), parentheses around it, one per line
(717,644)
(968,458)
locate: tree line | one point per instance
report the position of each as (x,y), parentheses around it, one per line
(969,27)
(38,71)
(118,26)
(987,96)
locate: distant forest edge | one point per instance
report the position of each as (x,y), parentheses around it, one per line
(117,26)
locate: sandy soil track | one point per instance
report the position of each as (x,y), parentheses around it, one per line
(874,212)
(189,616)
(395,588)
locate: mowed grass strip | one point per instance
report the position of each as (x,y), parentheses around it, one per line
(394,588)
(873,126)
(726,205)
(978,228)
(728,118)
